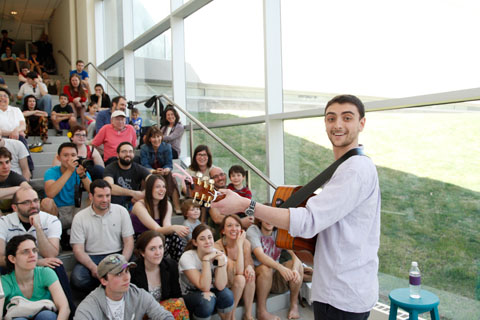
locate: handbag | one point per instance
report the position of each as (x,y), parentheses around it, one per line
(21,307)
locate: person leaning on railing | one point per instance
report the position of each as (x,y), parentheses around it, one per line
(172,130)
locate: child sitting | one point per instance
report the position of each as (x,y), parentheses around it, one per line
(136,120)
(91,118)
(237,175)
(191,213)
(63,116)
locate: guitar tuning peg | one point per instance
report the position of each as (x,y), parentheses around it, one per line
(209,199)
(199,178)
(207,205)
(211,181)
(205,178)
(195,197)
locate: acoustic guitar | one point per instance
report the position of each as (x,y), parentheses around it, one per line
(284,240)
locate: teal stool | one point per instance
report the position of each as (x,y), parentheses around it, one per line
(401,298)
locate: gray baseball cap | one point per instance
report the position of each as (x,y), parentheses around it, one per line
(113,263)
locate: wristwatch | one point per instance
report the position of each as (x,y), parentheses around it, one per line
(251,208)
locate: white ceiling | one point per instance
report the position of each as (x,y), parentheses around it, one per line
(31,18)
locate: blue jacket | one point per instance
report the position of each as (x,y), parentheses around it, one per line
(164,156)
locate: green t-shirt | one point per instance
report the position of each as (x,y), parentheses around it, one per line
(43,277)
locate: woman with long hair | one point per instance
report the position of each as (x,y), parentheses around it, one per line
(36,120)
(172,130)
(202,161)
(78,135)
(203,277)
(240,269)
(76,96)
(26,280)
(155,213)
(158,274)
(101,98)
(156,155)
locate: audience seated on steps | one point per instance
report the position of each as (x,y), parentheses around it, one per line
(22,76)
(36,120)
(91,159)
(22,62)
(97,231)
(2,83)
(155,213)
(91,118)
(35,64)
(158,274)
(172,130)
(101,98)
(236,174)
(19,152)
(8,61)
(82,74)
(111,135)
(63,116)
(203,277)
(277,270)
(156,155)
(117,298)
(5,42)
(104,117)
(62,187)
(53,86)
(34,86)
(240,268)
(45,54)
(26,279)
(191,213)
(44,227)
(126,177)
(10,181)
(77,96)
(12,122)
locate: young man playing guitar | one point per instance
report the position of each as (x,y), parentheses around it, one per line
(345,216)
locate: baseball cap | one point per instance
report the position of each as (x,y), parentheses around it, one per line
(118,113)
(114,263)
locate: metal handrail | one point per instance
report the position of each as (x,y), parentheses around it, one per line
(219,140)
(65,56)
(104,77)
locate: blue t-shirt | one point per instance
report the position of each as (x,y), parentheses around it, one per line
(82,75)
(66,196)
(137,122)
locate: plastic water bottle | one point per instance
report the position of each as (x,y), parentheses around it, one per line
(415,281)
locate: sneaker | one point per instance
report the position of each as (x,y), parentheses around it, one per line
(59,133)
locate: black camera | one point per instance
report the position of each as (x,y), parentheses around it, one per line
(84,162)
(78,195)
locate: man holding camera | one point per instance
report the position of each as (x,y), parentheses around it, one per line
(63,185)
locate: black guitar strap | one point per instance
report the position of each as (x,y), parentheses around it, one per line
(303,193)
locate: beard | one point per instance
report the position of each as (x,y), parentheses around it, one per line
(125,162)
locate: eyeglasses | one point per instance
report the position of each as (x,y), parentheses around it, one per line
(203,155)
(218,175)
(3,95)
(80,135)
(28,202)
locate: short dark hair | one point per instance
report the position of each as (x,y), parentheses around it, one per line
(23,188)
(79,61)
(153,131)
(4,31)
(186,205)
(347,98)
(134,110)
(67,145)
(12,247)
(25,102)
(117,99)
(5,153)
(236,169)
(164,121)
(6,91)
(99,183)
(144,239)
(122,144)
(63,95)
(32,75)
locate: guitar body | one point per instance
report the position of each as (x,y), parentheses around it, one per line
(284,240)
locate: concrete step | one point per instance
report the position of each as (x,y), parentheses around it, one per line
(39,171)
(43,158)
(51,138)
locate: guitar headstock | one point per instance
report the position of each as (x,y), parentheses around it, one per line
(203,191)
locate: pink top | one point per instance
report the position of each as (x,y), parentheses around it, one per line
(110,138)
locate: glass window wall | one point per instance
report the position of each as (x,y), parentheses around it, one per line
(377,49)
(116,75)
(147,13)
(113,26)
(224,60)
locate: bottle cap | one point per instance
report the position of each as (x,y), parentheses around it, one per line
(414,264)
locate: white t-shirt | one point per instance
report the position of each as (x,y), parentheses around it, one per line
(10,119)
(190,261)
(18,151)
(115,309)
(27,89)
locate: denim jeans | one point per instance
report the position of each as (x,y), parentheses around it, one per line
(82,279)
(42,315)
(202,308)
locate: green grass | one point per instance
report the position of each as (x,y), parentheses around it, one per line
(428,170)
